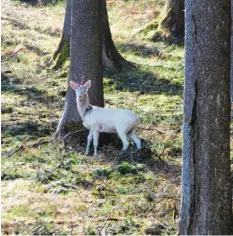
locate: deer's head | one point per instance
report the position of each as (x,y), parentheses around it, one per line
(81,90)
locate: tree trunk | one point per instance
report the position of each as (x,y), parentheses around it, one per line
(63,50)
(170,24)
(86,62)
(174,17)
(111,58)
(232,51)
(206,188)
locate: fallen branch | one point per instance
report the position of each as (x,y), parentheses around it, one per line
(165,196)
(158,130)
(102,227)
(71,133)
(22,147)
(13,54)
(17,149)
(112,219)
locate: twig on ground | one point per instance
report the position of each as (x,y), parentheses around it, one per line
(16,150)
(165,196)
(112,219)
(101,228)
(158,130)
(23,146)
(13,54)
(71,133)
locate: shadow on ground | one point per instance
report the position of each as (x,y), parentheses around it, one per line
(13,125)
(23,26)
(31,128)
(14,86)
(144,81)
(141,50)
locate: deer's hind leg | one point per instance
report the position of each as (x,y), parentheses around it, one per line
(124,140)
(135,139)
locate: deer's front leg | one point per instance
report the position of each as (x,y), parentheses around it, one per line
(89,139)
(96,141)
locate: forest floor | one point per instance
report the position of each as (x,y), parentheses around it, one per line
(51,189)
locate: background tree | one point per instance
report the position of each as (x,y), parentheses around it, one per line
(63,50)
(173,17)
(207,199)
(111,57)
(86,60)
(170,24)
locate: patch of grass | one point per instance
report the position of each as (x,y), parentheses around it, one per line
(57,185)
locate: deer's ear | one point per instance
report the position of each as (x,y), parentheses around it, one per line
(73,85)
(87,84)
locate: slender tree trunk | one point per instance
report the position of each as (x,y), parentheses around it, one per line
(86,60)
(63,50)
(111,58)
(207,198)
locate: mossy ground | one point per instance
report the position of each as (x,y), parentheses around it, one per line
(51,189)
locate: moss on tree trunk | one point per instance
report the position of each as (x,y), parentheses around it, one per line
(111,58)
(170,24)
(61,54)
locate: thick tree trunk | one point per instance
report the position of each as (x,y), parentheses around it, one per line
(111,58)
(207,199)
(86,62)
(174,17)
(63,50)
(232,51)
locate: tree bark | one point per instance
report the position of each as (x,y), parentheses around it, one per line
(169,26)
(63,50)
(86,62)
(174,17)
(206,178)
(111,58)
(232,51)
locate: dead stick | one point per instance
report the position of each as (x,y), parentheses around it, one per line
(160,131)
(29,146)
(13,54)
(112,219)
(71,133)
(18,149)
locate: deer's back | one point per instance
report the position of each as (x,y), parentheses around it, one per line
(109,119)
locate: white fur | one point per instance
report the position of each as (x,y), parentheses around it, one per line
(107,120)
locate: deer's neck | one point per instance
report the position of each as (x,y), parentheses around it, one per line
(83,107)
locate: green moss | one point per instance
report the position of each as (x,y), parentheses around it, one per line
(109,85)
(96,188)
(151,26)
(63,55)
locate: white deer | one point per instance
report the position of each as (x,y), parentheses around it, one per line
(107,120)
